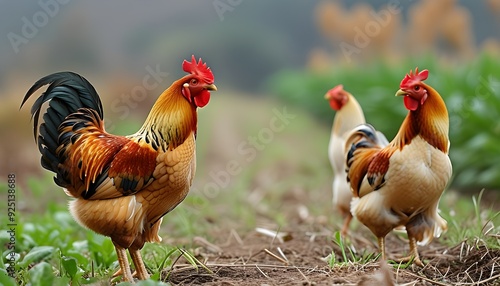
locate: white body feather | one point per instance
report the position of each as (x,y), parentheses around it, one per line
(350,116)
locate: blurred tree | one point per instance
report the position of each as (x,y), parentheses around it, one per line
(358,33)
(440,26)
(494,6)
(361,33)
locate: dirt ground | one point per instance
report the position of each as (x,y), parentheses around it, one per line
(299,259)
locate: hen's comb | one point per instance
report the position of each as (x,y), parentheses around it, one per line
(411,78)
(337,89)
(198,68)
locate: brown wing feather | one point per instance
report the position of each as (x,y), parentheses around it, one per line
(358,168)
(101,165)
(378,167)
(133,166)
(367,159)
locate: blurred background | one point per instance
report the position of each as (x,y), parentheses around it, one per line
(267,57)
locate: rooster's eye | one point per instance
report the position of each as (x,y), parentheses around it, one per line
(417,87)
(194,82)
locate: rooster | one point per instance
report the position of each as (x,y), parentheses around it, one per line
(121,186)
(348,116)
(400,185)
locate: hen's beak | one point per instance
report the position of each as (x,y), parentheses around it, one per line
(327,96)
(401,93)
(211,87)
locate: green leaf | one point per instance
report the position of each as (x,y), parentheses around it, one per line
(101,249)
(69,264)
(37,254)
(5,279)
(41,275)
(155,276)
(167,256)
(79,256)
(61,281)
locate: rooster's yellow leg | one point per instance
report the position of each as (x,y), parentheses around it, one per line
(345,227)
(381,246)
(123,261)
(413,253)
(142,273)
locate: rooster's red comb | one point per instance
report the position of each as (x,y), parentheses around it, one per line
(411,78)
(198,68)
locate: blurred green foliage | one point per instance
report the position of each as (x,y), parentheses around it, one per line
(471,92)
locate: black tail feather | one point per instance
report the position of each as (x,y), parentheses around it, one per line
(67,92)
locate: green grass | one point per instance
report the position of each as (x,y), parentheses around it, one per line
(348,254)
(473,221)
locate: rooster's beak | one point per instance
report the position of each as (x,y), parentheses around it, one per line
(401,93)
(211,87)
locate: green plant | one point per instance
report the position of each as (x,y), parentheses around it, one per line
(348,254)
(472,222)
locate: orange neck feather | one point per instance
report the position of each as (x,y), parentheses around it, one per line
(430,121)
(171,119)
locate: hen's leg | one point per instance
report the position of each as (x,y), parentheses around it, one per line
(345,227)
(123,261)
(381,246)
(142,273)
(119,272)
(413,253)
